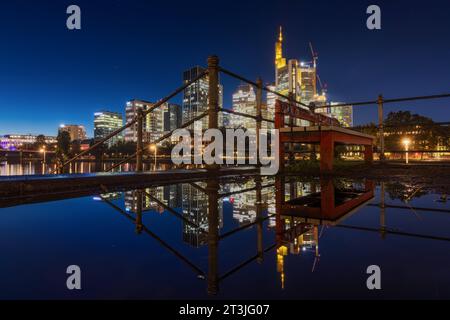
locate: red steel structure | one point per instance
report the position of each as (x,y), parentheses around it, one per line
(325,131)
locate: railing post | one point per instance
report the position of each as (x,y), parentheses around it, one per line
(213,96)
(258,115)
(279,123)
(259,218)
(139,205)
(212,188)
(139,144)
(291,125)
(213,91)
(380,127)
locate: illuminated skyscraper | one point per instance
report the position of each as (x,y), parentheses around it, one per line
(106,122)
(244,101)
(308,81)
(195,97)
(270,99)
(156,123)
(76,132)
(343,114)
(292,76)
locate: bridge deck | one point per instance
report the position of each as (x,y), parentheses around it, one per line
(327,137)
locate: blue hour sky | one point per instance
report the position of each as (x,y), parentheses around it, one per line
(139,49)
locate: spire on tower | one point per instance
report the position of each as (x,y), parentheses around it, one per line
(280,37)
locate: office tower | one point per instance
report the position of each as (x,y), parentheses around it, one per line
(105,123)
(171,117)
(244,101)
(195,97)
(76,132)
(294,77)
(131,113)
(270,100)
(156,123)
(343,114)
(307,81)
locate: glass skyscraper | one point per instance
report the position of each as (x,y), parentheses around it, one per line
(106,122)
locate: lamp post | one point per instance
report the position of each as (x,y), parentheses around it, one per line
(406,143)
(154,149)
(44,151)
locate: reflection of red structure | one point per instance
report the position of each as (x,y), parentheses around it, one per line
(329,205)
(326,132)
(297,219)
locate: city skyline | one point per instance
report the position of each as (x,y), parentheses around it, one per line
(89,70)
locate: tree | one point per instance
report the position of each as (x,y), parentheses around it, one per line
(75,148)
(63,145)
(401,124)
(124,148)
(40,142)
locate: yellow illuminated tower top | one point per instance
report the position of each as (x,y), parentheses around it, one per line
(280,62)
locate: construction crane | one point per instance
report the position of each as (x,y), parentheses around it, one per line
(315,57)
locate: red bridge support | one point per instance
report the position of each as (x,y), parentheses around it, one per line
(327,134)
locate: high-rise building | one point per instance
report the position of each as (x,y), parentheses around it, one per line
(131,112)
(244,101)
(308,83)
(270,100)
(106,122)
(294,77)
(76,132)
(343,114)
(156,123)
(195,97)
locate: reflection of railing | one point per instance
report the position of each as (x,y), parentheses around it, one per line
(302,225)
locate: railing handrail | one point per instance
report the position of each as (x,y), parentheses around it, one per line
(362,103)
(246,115)
(129,124)
(167,135)
(264,88)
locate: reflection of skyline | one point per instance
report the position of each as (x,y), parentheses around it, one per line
(195,210)
(302,209)
(169,195)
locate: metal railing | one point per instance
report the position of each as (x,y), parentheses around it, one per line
(137,120)
(213,70)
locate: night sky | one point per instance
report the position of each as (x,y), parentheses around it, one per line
(139,49)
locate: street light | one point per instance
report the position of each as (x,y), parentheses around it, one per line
(406,142)
(154,148)
(44,151)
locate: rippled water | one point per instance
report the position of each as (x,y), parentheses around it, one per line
(269,239)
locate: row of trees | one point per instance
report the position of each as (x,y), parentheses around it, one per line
(424,133)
